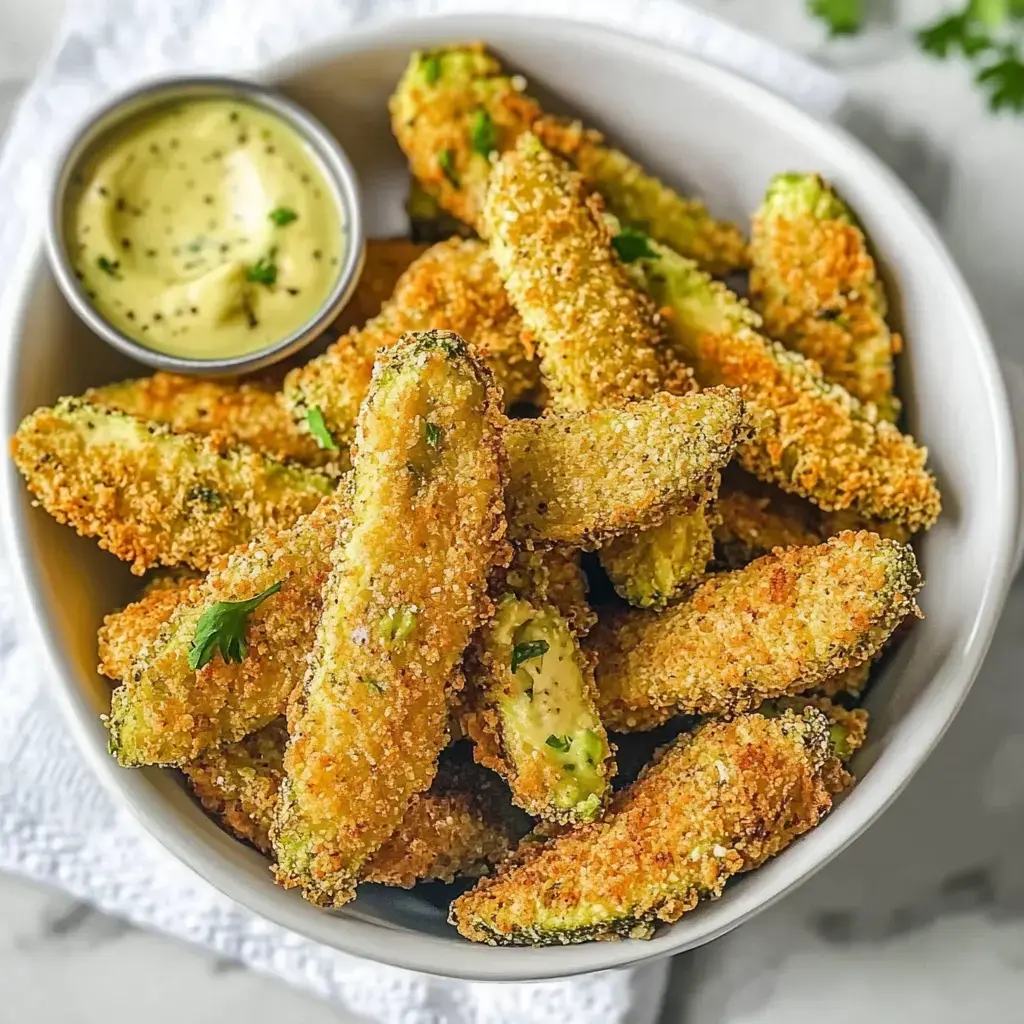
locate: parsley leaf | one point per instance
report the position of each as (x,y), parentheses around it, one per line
(222,626)
(560,743)
(283,215)
(264,270)
(109,267)
(948,35)
(482,133)
(374,687)
(434,434)
(525,651)
(318,428)
(431,68)
(446,161)
(843,17)
(1004,82)
(632,245)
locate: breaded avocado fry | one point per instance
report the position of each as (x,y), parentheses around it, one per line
(534,717)
(461,825)
(584,478)
(407,588)
(597,335)
(657,567)
(234,412)
(811,438)
(718,802)
(179,696)
(453,286)
(782,625)
(455,109)
(152,497)
(599,341)
(816,285)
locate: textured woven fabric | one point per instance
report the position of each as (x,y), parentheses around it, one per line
(56,823)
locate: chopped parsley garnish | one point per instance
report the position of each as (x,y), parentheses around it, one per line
(446,161)
(482,133)
(222,626)
(843,17)
(560,743)
(283,215)
(632,245)
(110,267)
(431,68)
(374,687)
(434,434)
(525,651)
(318,428)
(264,270)
(207,495)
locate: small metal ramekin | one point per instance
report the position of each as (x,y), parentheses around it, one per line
(333,162)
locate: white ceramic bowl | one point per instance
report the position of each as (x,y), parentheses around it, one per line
(707,131)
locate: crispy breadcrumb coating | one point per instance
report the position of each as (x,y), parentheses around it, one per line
(463,824)
(165,712)
(532,712)
(455,108)
(718,802)
(580,479)
(124,631)
(554,577)
(816,285)
(453,286)
(233,412)
(152,497)
(811,438)
(782,625)
(597,335)
(850,681)
(387,259)
(755,518)
(407,588)
(642,201)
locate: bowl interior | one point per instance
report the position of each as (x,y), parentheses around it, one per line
(705,132)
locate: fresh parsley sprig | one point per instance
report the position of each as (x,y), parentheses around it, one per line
(527,650)
(318,428)
(223,626)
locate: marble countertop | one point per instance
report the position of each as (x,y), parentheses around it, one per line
(923,918)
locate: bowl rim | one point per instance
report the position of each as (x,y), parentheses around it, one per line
(915,735)
(148,97)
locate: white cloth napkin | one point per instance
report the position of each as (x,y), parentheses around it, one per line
(56,824)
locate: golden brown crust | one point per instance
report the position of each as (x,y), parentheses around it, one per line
(581,479)
(454,286)
(754,518)
(233,412)
(463,824)
(782,625)
(151,497)
(637,198)
(718,803)
(597,335)
(816,285)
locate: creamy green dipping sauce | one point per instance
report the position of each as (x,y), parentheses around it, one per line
(206,229)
